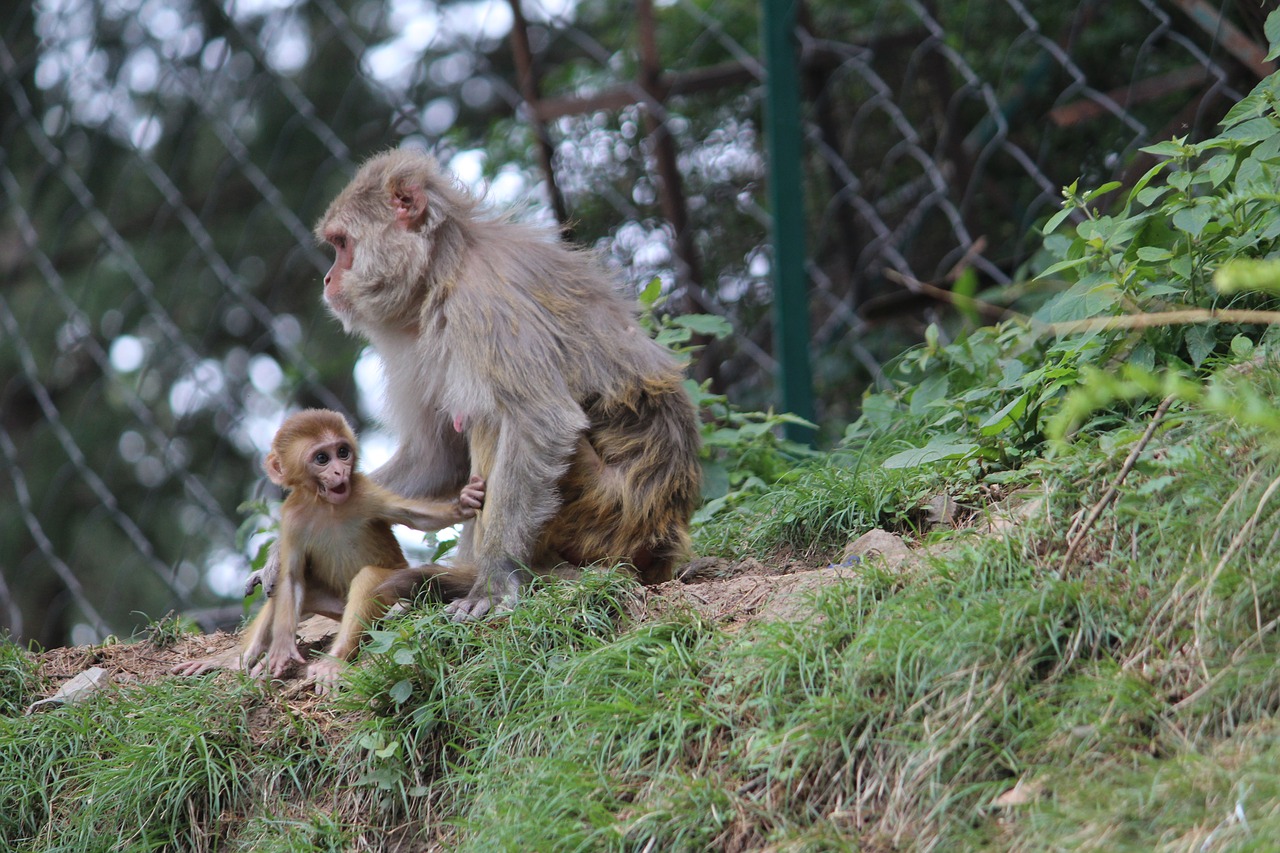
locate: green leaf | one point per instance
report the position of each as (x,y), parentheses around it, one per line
(1143,356)
(715,480)
(1141,186)
(1253,130)
(1162,288)
(1268,150)
(705,324)
(1181,266)
(1168,148)
(1219,168)
(1156,484)
(999,421)
(1193,219)
(1241,347)
(1056,220)
(1062,265)
(379,642)
(649,296)
(443,547)
(403,656)
(1253,104)
(881,411)
(930,389)
(754,430)
(1093,295)
(1271,29)
(930,453)
(400,693)
(1102,190)
(1151,195)
(1153,253)
(1012,373)
(1201,341)
(721,437)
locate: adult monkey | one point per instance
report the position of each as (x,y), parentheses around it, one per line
(501,340)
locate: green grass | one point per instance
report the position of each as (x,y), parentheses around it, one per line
(146,768)
(907,706)
(18,682)
(820,506)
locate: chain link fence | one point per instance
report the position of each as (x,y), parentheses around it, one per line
(161,162)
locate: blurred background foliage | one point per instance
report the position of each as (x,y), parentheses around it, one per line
(161,163)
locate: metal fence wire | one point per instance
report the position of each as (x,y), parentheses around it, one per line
(161,163)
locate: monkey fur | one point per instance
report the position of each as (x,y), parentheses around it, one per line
(336,547)
(511,355)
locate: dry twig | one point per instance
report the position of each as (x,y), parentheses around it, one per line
(1114,488)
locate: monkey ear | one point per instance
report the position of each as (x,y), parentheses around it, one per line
(409,201)
(275,471)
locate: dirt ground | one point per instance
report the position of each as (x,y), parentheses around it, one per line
(733,593)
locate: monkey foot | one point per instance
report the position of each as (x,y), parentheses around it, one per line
(324,672)
(197,667)
(479,606)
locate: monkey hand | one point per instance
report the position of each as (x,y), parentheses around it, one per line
(472,497)
(266,576)
(255,580)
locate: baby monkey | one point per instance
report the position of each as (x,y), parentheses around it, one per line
(337,551)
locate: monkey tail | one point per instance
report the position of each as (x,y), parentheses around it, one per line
(441,583)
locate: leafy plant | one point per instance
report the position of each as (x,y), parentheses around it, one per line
(743,452)
(169,629)
(1206,205)
(979,399)
(1181,275)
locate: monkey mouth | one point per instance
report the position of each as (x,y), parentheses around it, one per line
(336,494)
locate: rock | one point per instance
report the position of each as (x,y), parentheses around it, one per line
(940,510)
(1013,513)
(879,546)
(84,685)
(1020,794)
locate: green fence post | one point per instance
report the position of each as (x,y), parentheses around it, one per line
(786,197)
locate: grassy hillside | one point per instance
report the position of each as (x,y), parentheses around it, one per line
(1065,639)
(986,692)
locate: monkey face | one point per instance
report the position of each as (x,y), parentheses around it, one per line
(335,295)
(383,231)
(331,464)
(366,287)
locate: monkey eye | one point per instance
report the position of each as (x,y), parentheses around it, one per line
(322,458)
(338,241)
(344,452)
